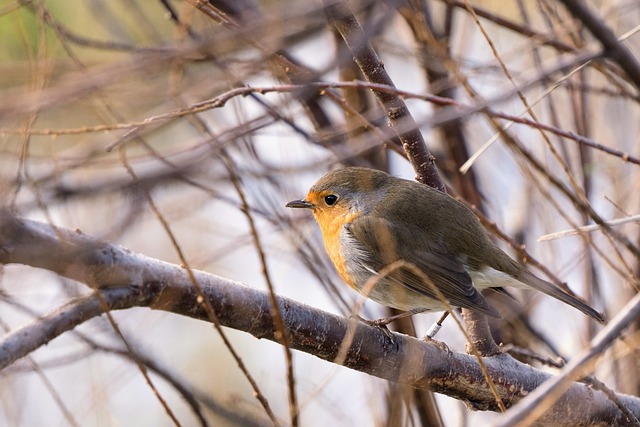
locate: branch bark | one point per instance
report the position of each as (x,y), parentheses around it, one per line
(127,279)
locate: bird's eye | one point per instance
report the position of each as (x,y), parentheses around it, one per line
(330,199)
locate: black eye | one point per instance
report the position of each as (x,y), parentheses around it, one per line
(330,199)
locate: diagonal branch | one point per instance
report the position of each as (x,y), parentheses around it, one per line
(612,48)
(529,411)
(398,115)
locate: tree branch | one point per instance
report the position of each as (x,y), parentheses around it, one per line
(126,279)
(398,115)
(612,48)
(576,368)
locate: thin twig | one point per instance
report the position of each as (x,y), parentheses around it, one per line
(282,335)
(611,47)
(587,228)
(203,301)
(321,87)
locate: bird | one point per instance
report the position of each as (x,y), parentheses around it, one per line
(408,246)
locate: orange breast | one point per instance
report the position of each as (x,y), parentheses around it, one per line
(331,225)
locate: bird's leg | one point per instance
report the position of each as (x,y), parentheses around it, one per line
(435,328)
(386,320)
(382,323)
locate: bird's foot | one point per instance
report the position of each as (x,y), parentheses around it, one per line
(380,324)
(440,344)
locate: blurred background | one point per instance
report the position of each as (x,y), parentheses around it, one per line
(117,116)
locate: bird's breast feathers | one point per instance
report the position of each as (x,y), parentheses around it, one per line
(333,229)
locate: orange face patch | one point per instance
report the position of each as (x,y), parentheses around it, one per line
(331,220)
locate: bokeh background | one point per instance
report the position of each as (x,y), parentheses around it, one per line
(116,116)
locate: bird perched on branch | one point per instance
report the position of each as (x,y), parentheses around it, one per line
(408,246)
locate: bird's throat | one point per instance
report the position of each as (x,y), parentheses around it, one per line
(332,225)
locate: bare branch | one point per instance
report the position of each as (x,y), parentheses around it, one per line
(126,279)
(543,397)
(612,48)
(395,108)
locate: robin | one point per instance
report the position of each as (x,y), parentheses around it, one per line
(395,240)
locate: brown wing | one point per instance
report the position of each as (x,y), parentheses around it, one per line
(387,244)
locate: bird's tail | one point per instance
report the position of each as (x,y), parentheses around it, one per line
(554,291)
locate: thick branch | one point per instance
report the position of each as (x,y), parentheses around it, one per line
(576,368)
(21,342)
(129,280)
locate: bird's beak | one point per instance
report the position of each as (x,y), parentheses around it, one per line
(299,204)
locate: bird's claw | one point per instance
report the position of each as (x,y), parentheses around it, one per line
(440,344)
(380,324)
